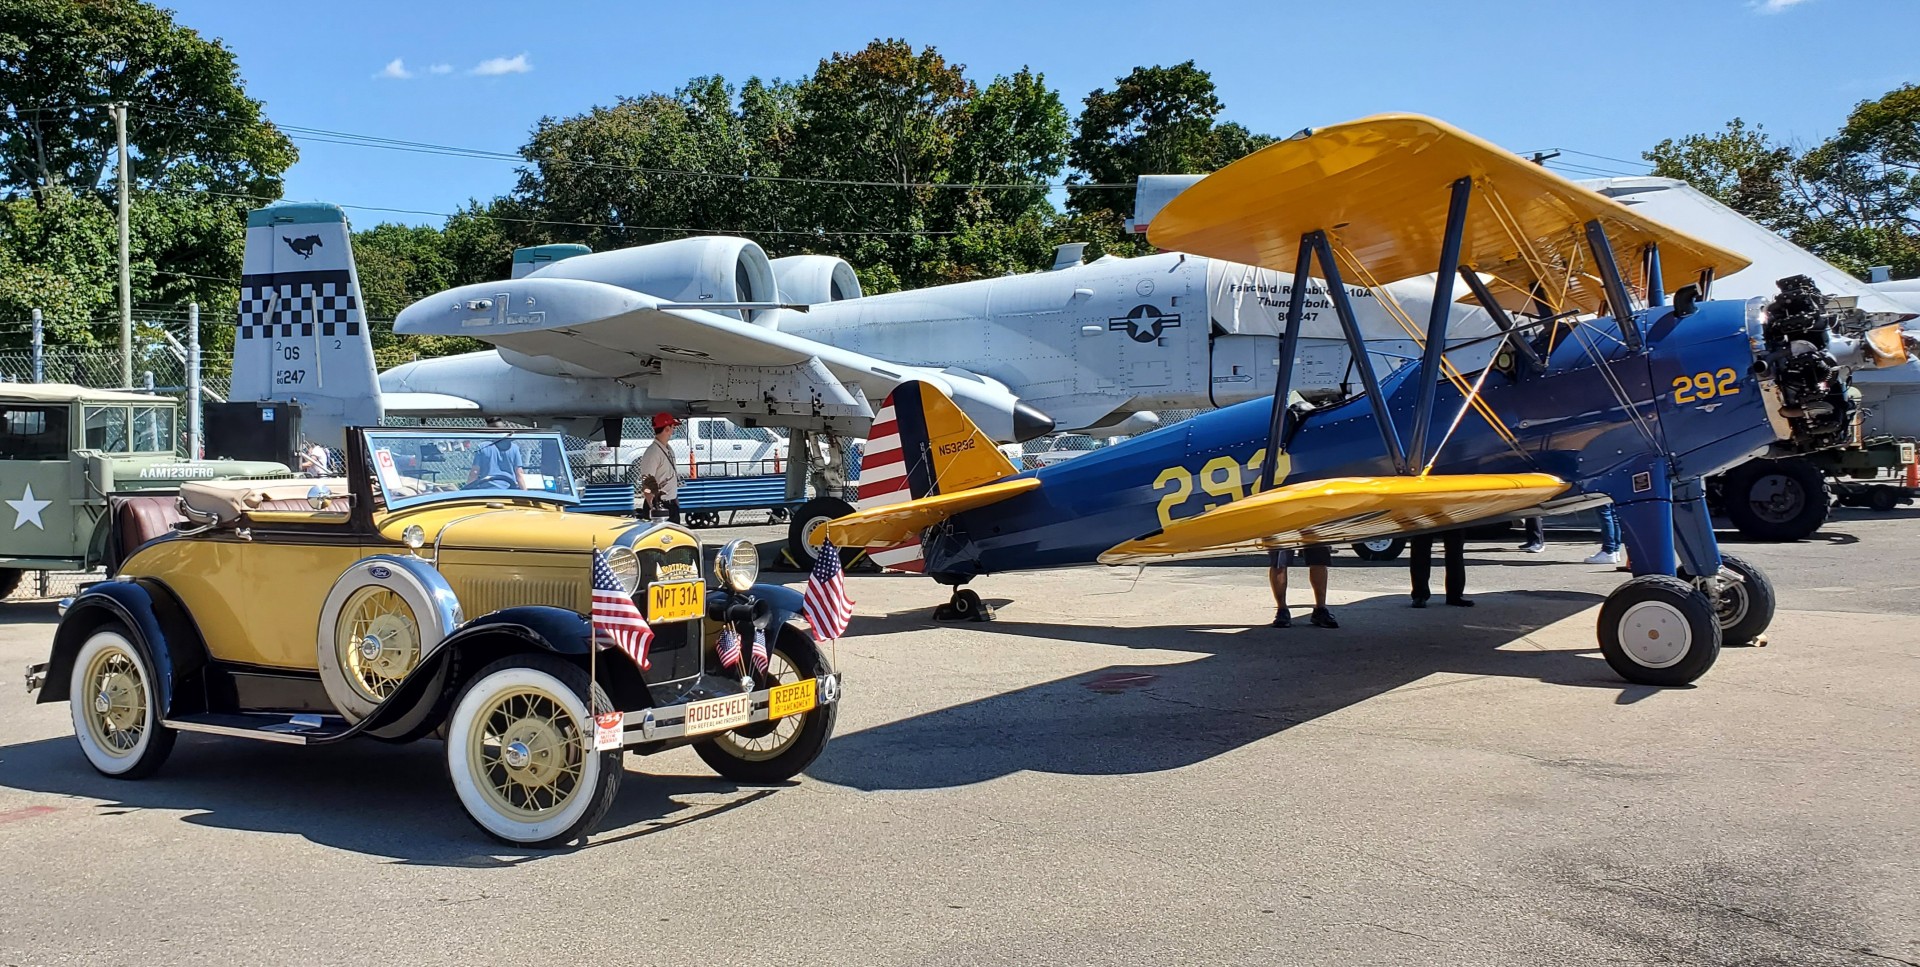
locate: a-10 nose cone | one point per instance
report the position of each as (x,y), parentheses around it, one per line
(1029,423)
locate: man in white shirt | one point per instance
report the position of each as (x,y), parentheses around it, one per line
(659,477)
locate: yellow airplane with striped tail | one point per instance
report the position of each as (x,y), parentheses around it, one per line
(1606,386)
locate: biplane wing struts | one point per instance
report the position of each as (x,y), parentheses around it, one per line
(1601,390)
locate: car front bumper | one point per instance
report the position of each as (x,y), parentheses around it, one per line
(36,677)
(717,715)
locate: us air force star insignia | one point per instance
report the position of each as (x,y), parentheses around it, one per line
(1144,323)
(27,510)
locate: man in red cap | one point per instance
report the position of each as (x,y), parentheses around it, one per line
(659,477)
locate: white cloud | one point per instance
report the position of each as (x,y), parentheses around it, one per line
(440,69)
(1774,6)
(395,70)
(495,66)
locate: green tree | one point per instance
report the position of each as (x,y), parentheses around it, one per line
(1154,121)
(191,126)
(56,255)
(1741,167)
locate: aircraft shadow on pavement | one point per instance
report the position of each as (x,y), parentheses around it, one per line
(362,796)
(1251,683)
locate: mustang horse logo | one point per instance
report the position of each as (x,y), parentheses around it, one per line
(303,247)
(1145,323)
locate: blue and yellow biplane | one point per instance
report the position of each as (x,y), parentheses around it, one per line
(1603,387)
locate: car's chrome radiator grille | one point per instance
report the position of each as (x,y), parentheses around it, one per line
(480,595)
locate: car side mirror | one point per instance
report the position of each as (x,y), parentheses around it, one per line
(319,497)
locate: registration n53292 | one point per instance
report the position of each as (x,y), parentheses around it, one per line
(717,714)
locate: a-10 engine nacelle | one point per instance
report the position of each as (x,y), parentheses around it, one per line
(707,268)
(811,280)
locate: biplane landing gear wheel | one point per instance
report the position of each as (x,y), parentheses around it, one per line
(965,605)
(808,529)
(1744,606)
(517,757)
(1658,630)
(1379,549)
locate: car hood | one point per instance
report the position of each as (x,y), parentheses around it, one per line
(508,528)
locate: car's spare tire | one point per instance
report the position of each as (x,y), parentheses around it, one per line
(384,615)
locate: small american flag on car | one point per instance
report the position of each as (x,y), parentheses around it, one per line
(615,620)
(760,649)
(827,607)
(729,647)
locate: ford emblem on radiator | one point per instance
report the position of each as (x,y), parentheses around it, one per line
(379,571)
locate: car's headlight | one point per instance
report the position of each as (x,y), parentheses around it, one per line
(626,567)
(737,565)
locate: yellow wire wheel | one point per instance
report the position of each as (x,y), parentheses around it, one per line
(529,754)
(376,642)
(114,705)
(111,696)
(517,751)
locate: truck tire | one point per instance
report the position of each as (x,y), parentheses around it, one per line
(1776,500)
(1379,548)
(10,580)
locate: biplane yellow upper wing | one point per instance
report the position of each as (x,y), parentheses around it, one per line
(1379,188)
(1339,510)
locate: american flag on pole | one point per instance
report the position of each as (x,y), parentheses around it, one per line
(729,647)
(760,649)
(615,620)
(827,607)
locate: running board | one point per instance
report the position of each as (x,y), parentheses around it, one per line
(303,729)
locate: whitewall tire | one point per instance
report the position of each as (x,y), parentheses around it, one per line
(112,699)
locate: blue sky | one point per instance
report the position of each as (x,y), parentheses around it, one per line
(1610,78)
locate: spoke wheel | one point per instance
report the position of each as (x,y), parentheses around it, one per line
(114,714)
(779,750)
(766,741)
(378,642)
(531,755)
(517,752)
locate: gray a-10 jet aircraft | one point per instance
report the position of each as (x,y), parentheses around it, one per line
(711,325)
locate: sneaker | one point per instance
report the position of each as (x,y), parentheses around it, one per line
(1460,602)
(1533,548)
(1605,557)
(1419,602)
(1322,618)
(1282,620)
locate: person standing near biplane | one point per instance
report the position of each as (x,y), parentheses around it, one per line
(1316,557)
(1421,565)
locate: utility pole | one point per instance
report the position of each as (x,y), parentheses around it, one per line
(39,350)
(193,380)
(126,277)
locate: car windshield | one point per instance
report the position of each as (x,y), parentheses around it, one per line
(418,466)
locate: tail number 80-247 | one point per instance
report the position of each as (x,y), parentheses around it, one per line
(1701,387)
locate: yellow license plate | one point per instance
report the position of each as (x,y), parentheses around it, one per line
(676,601)
(793,699)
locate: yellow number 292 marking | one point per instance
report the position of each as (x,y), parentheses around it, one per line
(1182,484)
(1704,386)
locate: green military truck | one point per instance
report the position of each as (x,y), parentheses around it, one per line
(71,461)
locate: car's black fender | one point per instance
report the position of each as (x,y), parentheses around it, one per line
(421,702)
(160,627)
(771,605)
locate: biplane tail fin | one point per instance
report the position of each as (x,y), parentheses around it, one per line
(925,461)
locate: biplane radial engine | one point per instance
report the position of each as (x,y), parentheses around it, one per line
(1604,386)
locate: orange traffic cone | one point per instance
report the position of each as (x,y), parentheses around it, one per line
(1913,474)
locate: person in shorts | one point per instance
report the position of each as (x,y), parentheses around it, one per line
(1316,557)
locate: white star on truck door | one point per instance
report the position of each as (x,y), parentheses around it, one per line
(27,509)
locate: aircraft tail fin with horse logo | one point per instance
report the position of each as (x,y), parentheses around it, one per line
(925,461)
(302,329)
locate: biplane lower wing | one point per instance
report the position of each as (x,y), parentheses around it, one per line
(1339,510)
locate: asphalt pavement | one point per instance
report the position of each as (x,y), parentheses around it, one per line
(1125,767)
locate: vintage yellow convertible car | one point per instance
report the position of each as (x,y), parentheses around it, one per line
(439,587)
